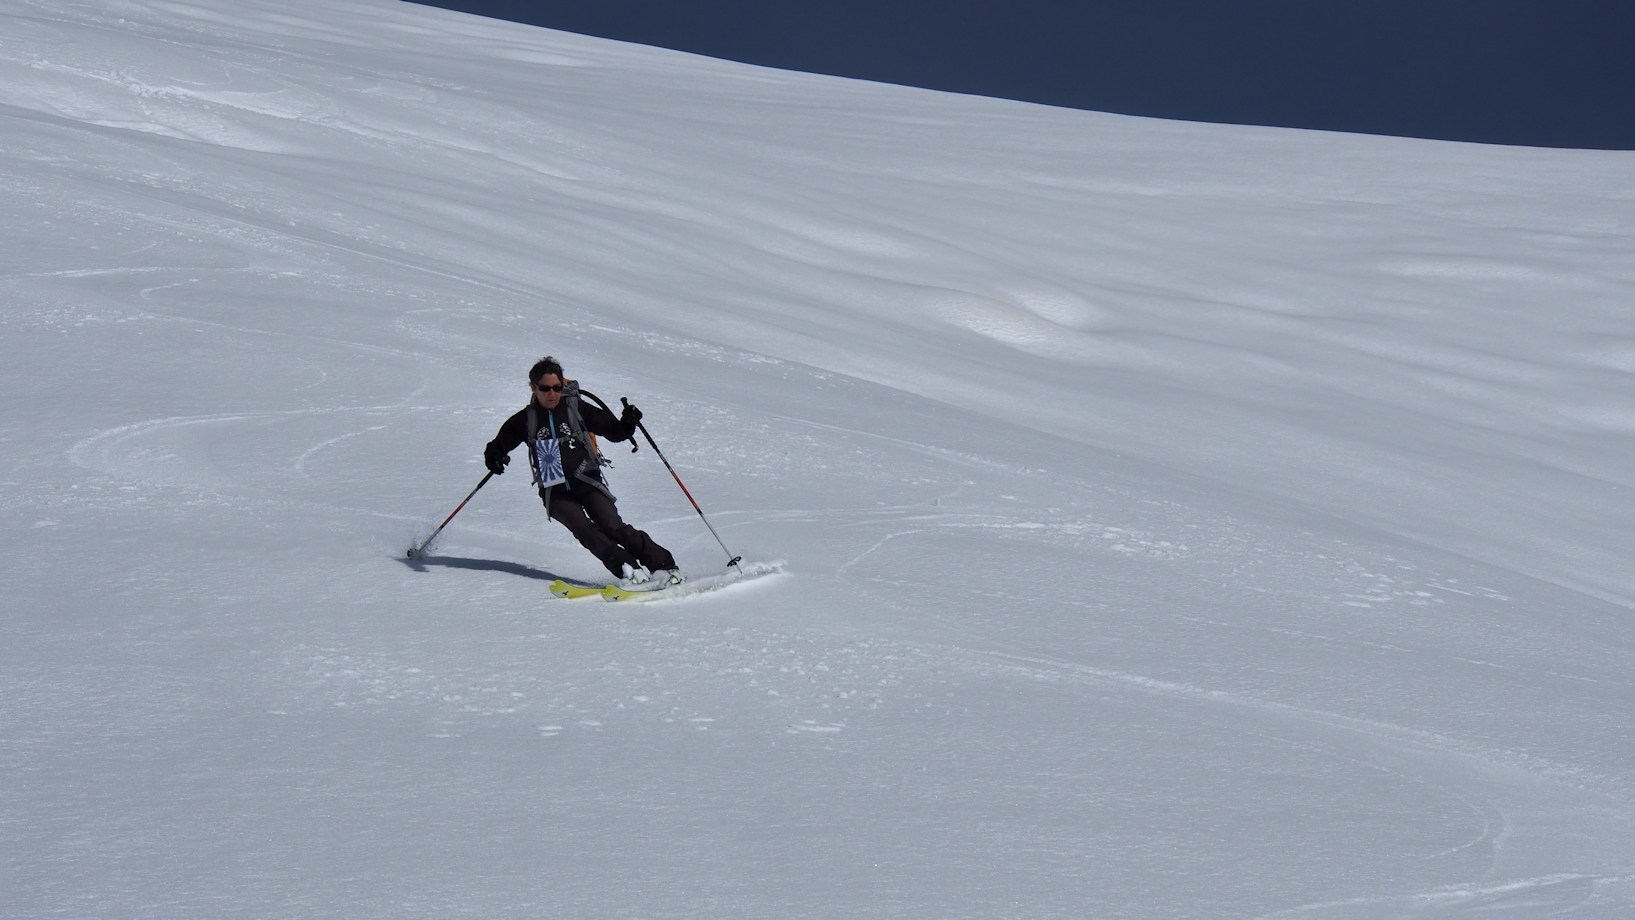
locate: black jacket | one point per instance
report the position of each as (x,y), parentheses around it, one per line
(579,460)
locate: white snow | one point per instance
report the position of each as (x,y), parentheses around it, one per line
(1174,521)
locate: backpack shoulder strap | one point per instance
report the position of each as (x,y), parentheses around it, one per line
(530,433)
(576,424)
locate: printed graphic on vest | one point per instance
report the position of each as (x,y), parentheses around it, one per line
(548,456)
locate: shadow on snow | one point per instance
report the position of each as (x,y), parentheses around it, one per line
(423,563)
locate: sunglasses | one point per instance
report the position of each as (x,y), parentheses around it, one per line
(553,388)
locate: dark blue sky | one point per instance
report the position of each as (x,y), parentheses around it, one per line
(1557,73)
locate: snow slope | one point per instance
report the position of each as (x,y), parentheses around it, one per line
(1172,520)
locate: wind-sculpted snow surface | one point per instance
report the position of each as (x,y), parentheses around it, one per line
(1174,521)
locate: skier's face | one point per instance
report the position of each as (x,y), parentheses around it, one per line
(548,391)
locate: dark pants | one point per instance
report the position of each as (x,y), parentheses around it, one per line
(594,521)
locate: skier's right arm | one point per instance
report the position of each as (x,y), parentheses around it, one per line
(498,452)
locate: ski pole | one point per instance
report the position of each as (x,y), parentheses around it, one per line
(731,559)
(417,550)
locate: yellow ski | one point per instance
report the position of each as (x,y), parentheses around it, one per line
(562,588)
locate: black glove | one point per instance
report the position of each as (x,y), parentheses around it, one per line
(631,415)
(496,462)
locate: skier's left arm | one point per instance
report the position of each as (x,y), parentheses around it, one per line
(605,424)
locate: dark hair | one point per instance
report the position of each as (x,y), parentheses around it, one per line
(545,365)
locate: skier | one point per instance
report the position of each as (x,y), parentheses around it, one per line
(557,426)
